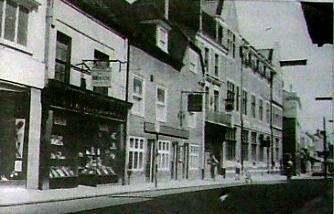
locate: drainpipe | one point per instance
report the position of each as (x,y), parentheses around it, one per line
(125,171)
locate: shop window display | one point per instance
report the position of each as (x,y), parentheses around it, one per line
(12,135)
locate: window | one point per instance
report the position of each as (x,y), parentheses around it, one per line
(162,38)
(206,58)
(161,102)
(191,119)
(102,64)
(230,93)
(138,96)
(63,57)
(13,22)
(136,153)
(207,97)
(253,100)
(261,153)
(220,34)
(268,113)
(261,109)
(244,102)
(193,66)
(216,100)
(237,97)
(277,150)
(231,39)
(230,144)
(163,155)
(216,64)
(245,145)
(233,46)
(254,146)
(194,157)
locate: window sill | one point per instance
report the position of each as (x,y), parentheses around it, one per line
(15,46)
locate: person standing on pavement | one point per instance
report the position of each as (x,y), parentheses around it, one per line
(237,170)
(213,164)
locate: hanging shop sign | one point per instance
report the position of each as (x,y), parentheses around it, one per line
(101,77)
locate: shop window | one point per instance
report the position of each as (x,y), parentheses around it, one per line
(161,104)
(14,17)
(101,63)
(136,153)
(163,155)
(138,99)
(13,132)
(63,57)
(194,157)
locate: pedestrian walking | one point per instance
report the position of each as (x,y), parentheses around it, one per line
(213,163)
(237,170)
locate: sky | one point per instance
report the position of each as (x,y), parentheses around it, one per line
(264,22)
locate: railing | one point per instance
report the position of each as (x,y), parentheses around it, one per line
(218,117)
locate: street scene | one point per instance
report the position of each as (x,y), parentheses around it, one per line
(166,106)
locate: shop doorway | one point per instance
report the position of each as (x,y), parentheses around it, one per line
(150,160)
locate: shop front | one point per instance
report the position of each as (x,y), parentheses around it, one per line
(83,137)
(14,129)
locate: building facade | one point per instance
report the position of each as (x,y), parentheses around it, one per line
(21,81)
(291,127)
(84,107)
(244,88)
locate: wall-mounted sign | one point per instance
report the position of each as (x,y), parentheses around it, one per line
(101,77)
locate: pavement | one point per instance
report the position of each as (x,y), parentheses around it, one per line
(26,198)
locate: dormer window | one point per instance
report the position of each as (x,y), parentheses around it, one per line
(162,38)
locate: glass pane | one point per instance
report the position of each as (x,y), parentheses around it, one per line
(135,160)
(131,142)
(1,8)
(136,143)
(60,71)
(137,86)
(61,51)
(140,160)
(10,20)
(130,160)
(22,26)
(141,144)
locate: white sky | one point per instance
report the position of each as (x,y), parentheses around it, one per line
(266,21)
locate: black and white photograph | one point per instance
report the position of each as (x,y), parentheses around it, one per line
(166,106)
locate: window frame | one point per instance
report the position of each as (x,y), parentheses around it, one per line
(253,105)
(162,38)
(160,104)
(142,96)
(138,150)
(162,153)
(244,101)
(261,109)
(16,25)
(194,157)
